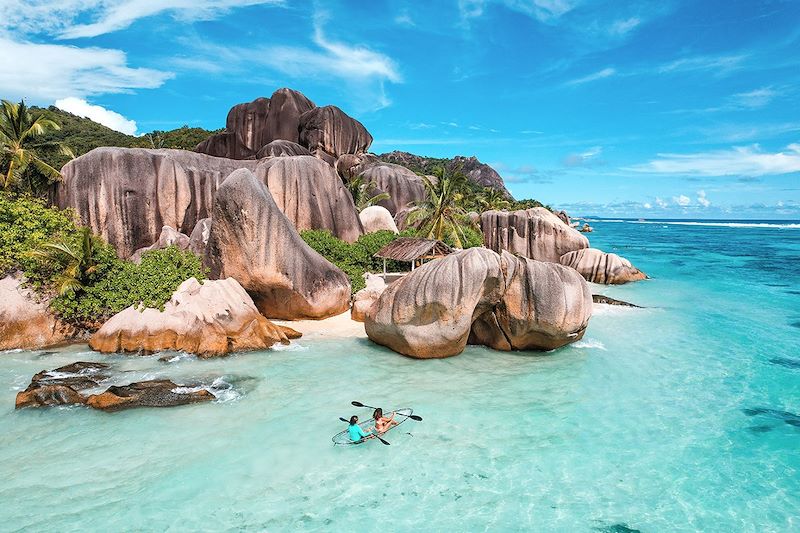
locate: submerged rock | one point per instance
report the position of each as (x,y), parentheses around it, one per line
(26,321)
(477,295)
(377,218)
(153,393)
(601,267)
(534,233)
(253,241)
(602,299)
(209,319)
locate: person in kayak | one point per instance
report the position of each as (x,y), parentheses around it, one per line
(383,423)
(356,433)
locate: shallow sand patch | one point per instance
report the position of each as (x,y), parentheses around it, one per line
(338,326)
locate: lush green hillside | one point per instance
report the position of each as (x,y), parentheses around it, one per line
(82,135)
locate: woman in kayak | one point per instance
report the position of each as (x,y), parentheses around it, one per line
(356,433)
(383,423)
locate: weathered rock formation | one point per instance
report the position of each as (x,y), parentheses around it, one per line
(586,228)
(479,173)
(287,123)
(311,195)
(152,393)
(608,300)
(281,148)
(601,267)
(128,195)
(535,233)
(377,218)
(26,321)
(252,125)
(329,132)
(564,217)
(169,237)
(199,237)
(253,241)
(62,386)
(403,186)
(502,301)
(366,297)
(209,319)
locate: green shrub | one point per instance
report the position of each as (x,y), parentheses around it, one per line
(122,284)
(353,259)
(25,224)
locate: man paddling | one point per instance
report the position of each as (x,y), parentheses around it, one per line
(356,433)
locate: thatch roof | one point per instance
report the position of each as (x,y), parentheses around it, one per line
(409,249)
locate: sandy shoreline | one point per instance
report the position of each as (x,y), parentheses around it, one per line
(335,327)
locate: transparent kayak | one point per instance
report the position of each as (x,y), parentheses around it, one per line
(400,415)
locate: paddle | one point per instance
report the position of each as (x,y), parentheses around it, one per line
(412,417)
(373,434)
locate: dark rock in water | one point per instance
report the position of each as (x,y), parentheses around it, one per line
(61,386)
(789,418)
(760,429)
(153,393)
(795,324)
(618,528)
(785,362)
(602,299)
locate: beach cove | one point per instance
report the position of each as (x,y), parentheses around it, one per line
(681,416)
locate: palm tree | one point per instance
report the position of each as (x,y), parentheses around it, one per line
(361,191)
(17,129)
(492,198)
(441,215)
(77,261)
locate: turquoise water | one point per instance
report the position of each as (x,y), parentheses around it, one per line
(684,416)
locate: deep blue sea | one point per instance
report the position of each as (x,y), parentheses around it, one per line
(681,416)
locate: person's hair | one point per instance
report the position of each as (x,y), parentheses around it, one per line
(378,413)
(353,420)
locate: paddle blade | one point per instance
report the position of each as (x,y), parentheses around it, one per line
(383,441)
(357,404)
(415,417)
(346,421)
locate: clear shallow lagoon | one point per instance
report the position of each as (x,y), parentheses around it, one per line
(684,416)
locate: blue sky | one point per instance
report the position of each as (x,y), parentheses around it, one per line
(643,109)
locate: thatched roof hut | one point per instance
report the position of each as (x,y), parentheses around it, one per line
(412,249)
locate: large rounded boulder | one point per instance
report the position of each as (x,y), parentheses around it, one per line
(281,148)
(403,186)
(25,320)
(311,195)
(377,218)
(208,319)
(534,233)
(329,132)
(480,297)
(598,266)
(252,241)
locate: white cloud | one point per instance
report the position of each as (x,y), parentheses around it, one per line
(404,19)
(101,115)
(46,72)
(622,27)
(647,205)
(661,203)
(738,161)
(541,10)
(60,16)
(717,64)
(755,98)
(583,159)
(599,75)
(682,200)
(702,200)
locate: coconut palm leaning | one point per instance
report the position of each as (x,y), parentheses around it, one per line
(76,261)
(491,198)
(441,214)
(18,130)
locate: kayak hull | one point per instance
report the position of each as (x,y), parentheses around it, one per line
(343,438)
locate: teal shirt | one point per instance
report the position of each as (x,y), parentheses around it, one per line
(356,433)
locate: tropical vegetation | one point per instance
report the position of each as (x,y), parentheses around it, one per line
(362,192)
(22,136)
